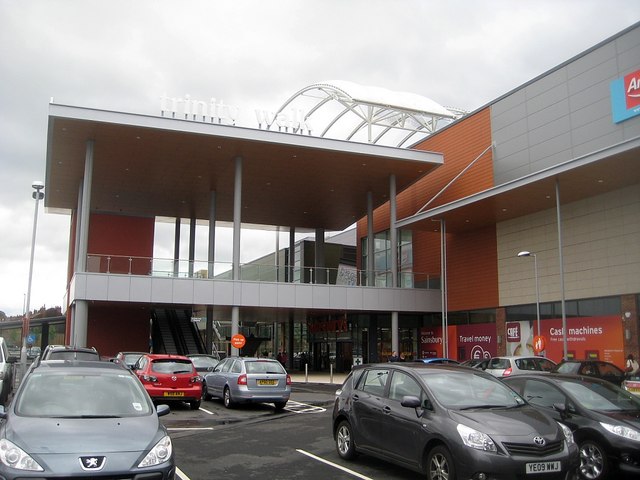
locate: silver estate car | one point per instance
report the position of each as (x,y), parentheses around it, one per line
(248,380)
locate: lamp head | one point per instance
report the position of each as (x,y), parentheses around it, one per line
(37,185)
(525,254)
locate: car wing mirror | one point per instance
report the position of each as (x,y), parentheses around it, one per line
(411,401)
(561,408)
(162,410)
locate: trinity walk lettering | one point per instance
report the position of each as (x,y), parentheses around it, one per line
(217,111)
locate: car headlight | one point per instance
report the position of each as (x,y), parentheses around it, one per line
(625,432)
(568,435)
(158,454)
(475,439)
(14,457)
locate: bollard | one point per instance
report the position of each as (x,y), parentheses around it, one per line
(331,373)
(306,373)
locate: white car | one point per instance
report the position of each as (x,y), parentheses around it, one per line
(506,366)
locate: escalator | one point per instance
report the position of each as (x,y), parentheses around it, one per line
(174,332)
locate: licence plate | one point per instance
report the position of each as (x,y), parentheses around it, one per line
(267,382)
(173,394)
(543,467)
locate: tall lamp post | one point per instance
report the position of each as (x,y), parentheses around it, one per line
(37,196)
(535,269)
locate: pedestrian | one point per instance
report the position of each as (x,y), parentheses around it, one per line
(632,366)
(394,356)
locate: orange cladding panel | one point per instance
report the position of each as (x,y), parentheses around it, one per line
(472,268)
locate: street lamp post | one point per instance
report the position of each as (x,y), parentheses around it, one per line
(37,196)
(535,270)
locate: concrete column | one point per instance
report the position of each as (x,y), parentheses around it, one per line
(81,309)
(211,258)
(85,213)
(370,267)
(211,255)
(292,253)
(176,248)
(393,238)
(393,231)
(80,323)
(320,273)
(192,245)
(237,217)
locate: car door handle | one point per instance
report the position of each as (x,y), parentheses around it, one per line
(386,409)
(355,398)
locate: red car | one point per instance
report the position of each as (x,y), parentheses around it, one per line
(170,378)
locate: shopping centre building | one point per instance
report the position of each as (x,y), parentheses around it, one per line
(518,220)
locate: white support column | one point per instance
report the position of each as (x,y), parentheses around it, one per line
(370,267)
(237,217)
(393,238)
(565,353)
(292,253)
(211,258)
(176,248)
(393,231)
(192,245)
(81,307)
(319,272)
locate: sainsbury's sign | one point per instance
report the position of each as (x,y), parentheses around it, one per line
(625,97)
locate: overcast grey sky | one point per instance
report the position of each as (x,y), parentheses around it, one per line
(123,55)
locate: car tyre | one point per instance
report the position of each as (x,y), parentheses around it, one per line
(594,464)
(344,441)
(440,465)
(205,395)
(195,404)
(280,405)
(226,398)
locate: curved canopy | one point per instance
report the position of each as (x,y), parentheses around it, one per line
(349,111)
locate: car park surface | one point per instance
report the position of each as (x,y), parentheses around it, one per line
(249,380)
(517,365)
(81,419)
(592,368)
(448,422)
(170,378)
(605,419)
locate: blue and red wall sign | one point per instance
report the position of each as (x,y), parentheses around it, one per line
(625,97)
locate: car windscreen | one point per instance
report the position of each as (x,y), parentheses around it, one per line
(75,395)
(601,396)
(462,390)
(171,366)
(568,367)
(131,358)
(261,366)
(204,362)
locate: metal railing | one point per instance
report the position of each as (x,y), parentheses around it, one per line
(343,275)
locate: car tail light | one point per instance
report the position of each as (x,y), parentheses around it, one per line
(288,379)
(196,379)
(507,372)
(242,379)
(149,378)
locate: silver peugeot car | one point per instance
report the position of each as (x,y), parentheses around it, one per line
(80,419)
(248,380)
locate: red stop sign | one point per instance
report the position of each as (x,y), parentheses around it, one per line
(238,340)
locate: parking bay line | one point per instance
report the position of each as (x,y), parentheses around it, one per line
(297,407)
(335,465)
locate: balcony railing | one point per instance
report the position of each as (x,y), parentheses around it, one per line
(343,275)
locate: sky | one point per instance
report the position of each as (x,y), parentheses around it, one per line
(124,55)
